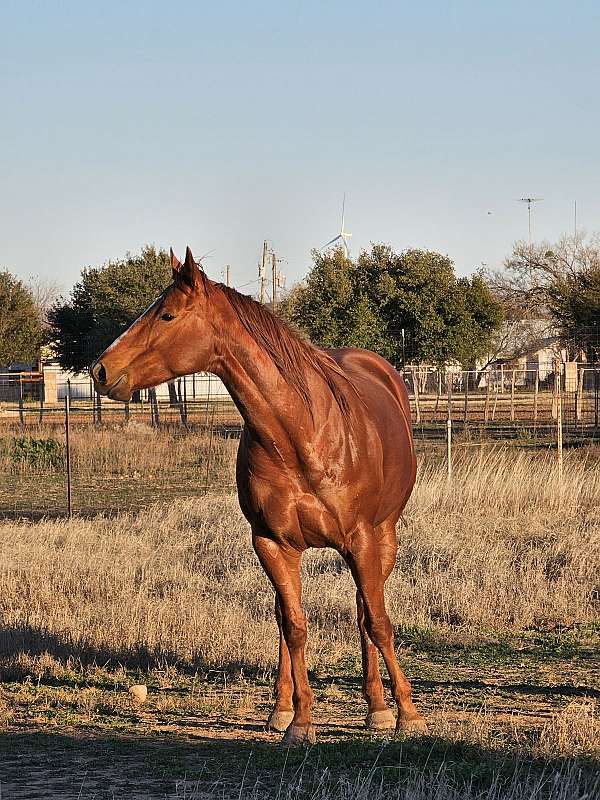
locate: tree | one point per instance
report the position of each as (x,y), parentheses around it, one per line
(369,302)
(104,303)
(21,331)
(548,289)
(574,301)
(45,292)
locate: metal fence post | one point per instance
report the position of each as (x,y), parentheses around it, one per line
(559,430)
(536,390)
(449,446)
(68,445)
(512,396)
(185,410)
(21,412)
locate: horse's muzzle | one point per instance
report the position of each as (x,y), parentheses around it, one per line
(117,389)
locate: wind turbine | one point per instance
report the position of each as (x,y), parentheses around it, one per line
(343,235)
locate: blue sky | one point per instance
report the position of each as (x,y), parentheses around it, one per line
(219,125)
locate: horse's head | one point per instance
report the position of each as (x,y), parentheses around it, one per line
(173,337)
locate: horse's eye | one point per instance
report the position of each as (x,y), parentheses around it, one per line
(167,317)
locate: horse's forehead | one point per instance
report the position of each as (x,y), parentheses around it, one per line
(174,295)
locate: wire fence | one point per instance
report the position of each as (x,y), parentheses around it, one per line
(180,440)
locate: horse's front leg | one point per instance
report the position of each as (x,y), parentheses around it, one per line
(283,711)
(282,566)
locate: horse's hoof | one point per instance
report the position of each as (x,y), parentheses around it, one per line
(381,720)
(279,720)
(297,735)
(413,726)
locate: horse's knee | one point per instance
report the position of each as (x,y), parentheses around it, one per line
(380,631)
(295,631)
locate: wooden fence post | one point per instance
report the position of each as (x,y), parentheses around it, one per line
(154,408)
(416,392)
(439,394)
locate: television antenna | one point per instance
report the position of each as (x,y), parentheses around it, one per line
(343,235)
(530,201)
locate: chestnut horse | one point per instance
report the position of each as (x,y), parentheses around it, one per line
(326,459)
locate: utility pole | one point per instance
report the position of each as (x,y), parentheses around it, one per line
(529,201)
(227,269)
(274,277)
(262,269)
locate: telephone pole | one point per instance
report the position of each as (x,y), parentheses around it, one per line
(262,270)
(227,268)
(529,201)
(274,278)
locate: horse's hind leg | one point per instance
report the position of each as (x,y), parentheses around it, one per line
(367,571)
(283,712)
(379,716)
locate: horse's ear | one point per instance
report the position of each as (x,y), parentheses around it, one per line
(190,273)
(175,264)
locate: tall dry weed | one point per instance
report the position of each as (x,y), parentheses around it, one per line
(502,548)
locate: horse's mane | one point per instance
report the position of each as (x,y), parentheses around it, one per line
(292,355)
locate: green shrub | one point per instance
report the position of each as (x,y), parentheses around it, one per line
(39,453)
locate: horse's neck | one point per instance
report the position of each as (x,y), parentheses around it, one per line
(265,400)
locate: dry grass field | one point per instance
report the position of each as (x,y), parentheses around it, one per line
(115,467)
(495,601)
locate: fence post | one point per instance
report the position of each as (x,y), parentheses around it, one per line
(536,390)
(21,412)
(439,394)
(185,410)
(154,407)
(210,449)
(579,395)
(596,396)
(68,445)
(449,447)
(126,412)
(99,408)
(559,431)
(512,397)
(42,390)
(416,390)
(486,408)
(449,427)
(466,411)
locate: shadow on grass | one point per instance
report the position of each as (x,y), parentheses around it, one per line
(17,641)
(91,765)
